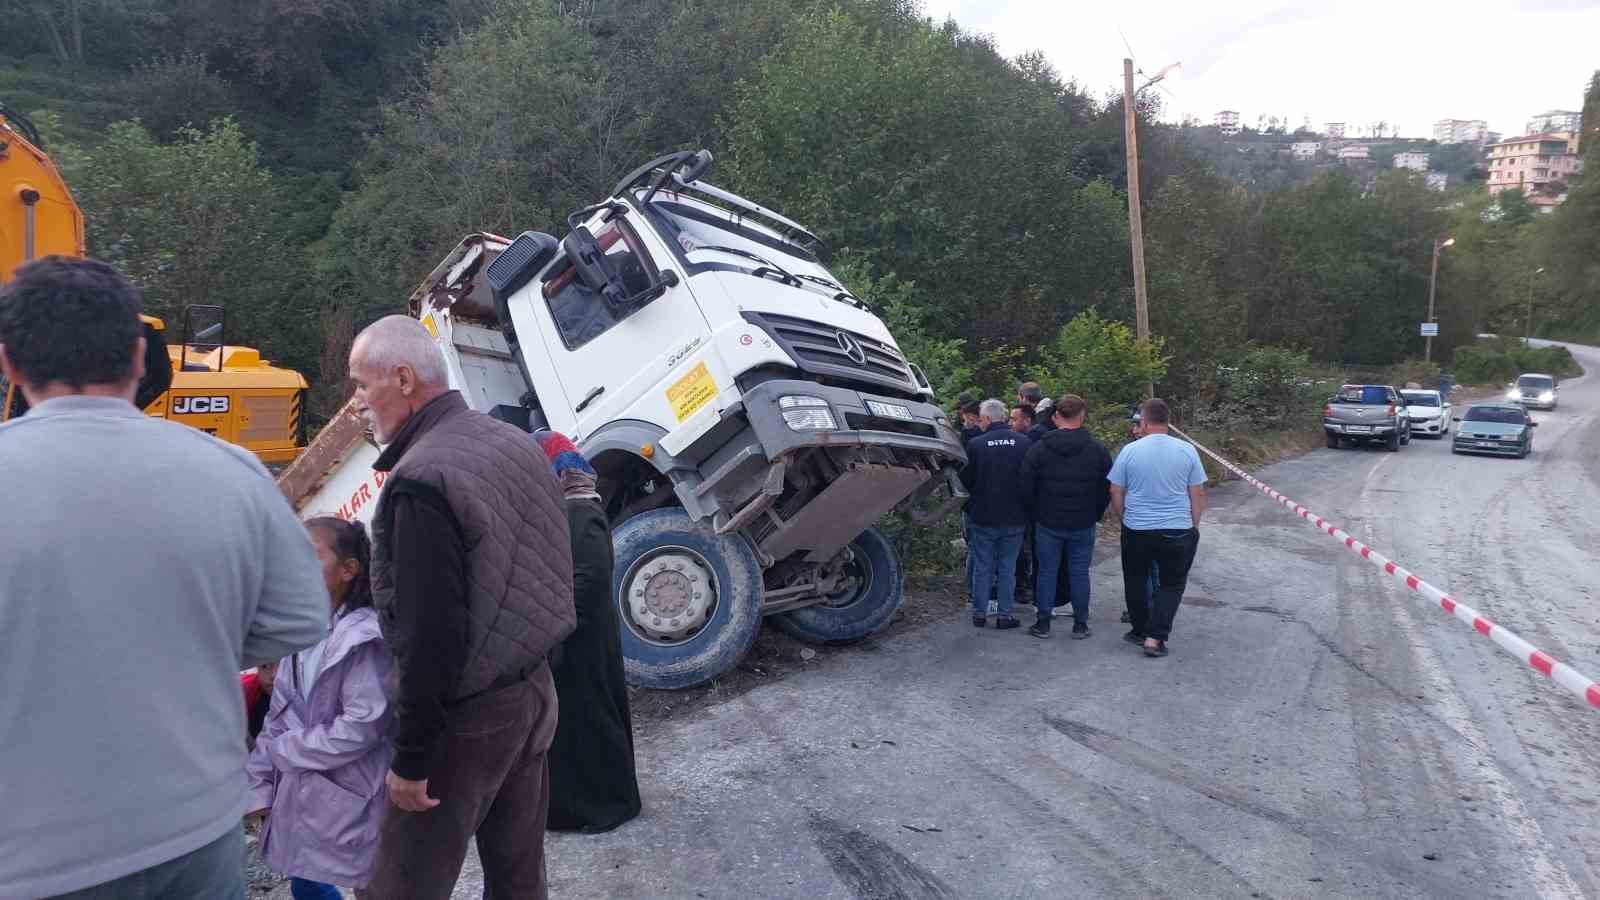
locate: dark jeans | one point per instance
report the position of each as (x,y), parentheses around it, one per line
(490,783)
(303,889)
(214,872)
(994,564)
(1072,548)
(1173,553)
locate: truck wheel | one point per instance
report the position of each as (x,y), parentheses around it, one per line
(1392,442)
(864,603)
(689,599)
(1333,441)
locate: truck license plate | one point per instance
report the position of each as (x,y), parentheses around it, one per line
(1486,444)
(889,410)
(1358,429)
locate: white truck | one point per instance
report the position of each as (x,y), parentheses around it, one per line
(749,418)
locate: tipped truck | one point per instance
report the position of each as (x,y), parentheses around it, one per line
(749,418)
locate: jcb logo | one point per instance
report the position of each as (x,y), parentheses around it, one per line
(183,406)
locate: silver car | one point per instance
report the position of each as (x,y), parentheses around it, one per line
(1535,390)
(1503,429)
(1431,413)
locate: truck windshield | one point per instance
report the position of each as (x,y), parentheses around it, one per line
(711,236)
(1420,398)
(1536,382)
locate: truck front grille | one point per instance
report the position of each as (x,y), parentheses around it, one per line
(823,350)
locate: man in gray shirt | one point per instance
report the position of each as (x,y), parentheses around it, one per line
(142,565)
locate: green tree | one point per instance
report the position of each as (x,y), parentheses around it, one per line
(195,222)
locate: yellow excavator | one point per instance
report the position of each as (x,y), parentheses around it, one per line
(221,389)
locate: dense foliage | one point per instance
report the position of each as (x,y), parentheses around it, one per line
(305,162)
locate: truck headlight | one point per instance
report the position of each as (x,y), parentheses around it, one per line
(1514,394)
(1547,396)
(803,413)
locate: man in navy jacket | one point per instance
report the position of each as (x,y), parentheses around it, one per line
(997,511)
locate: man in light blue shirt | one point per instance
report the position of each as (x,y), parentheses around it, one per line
(1158,492)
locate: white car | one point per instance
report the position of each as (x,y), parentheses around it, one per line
(1431,413)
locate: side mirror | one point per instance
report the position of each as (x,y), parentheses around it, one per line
(594,271)
(697,167)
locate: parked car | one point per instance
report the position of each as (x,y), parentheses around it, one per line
(1431,412)
(1535,390)
(1367,412)
(1500,428)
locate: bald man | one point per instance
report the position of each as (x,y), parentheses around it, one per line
(472,578)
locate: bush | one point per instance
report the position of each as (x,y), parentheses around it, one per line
(172,93)
(1502,360)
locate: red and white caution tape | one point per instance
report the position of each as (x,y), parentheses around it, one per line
(1555,670)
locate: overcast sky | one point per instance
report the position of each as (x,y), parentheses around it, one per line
(1361,61)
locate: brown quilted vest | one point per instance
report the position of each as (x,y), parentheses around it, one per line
(504,496)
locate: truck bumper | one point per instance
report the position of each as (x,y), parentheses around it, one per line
(1360,431)
(859,425)
(882,451)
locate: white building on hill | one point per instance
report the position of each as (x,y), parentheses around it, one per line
(1415,160)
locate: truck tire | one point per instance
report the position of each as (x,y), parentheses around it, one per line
(1392,442)
(865,605)
(688,599)
(1333,441)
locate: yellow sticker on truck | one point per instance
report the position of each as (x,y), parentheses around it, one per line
(692,391)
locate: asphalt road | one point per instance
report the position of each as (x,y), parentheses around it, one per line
(1315,732)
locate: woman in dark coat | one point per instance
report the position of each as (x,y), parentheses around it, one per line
(593,787)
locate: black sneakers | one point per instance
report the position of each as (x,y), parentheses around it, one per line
(1006,623)
(1133,637)
(1080,631)
(979,621)
(1040,629)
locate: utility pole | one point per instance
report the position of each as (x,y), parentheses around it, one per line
(1135,213)
(1141,311)
(1528,325)
(1433,280)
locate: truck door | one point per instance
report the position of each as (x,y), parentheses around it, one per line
(607,363)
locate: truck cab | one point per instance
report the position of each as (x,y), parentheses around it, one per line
(749,418)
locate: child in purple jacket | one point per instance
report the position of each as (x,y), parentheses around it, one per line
(317,771)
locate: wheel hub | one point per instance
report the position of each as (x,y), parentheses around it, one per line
(671,596)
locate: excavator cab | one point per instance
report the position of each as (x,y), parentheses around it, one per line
(231,392)
(201,381)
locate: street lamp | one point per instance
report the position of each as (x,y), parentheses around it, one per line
(1529,323)
(1433,280)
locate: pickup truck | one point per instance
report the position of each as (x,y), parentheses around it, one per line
(750,419)
(1367,412)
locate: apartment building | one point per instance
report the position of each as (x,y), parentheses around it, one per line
(1460,131)
(1355,151)
(1306,149)
(1415,160)
(1227,121)
(1335,130)
(1532,162)
(1556,120)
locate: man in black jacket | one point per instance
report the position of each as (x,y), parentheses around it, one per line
(1064,478)
(997,513)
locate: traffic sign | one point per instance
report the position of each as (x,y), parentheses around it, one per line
(1430,329)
